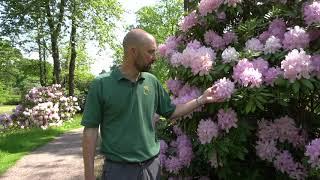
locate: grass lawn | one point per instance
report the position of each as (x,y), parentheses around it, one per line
(6,108)
(15,144)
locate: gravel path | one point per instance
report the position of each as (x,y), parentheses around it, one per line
(60,159)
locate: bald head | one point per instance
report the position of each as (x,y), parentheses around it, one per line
(136,38)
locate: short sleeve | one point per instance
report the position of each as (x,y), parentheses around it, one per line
(92,115)
(165,107)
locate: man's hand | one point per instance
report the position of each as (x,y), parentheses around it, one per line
(208,96)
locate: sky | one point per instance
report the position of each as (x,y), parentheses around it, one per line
(103,59)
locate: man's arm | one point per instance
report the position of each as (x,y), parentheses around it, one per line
(183,109)
(89,140)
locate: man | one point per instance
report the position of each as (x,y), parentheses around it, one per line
(123,103)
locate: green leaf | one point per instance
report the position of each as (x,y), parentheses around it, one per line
(261,99)
(280,82)
(210,77)
(240,156)
(296,87)
(249,106)
(260,106)
(220,67)
(307,83)
(226,69)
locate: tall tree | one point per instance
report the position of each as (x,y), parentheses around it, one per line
(94,20)
(29,20)
(16,72)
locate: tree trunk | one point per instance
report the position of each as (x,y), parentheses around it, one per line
(54,33)
(73,54)
(44,62)
(40,61)
(56,60)
(186,5)
(38,39)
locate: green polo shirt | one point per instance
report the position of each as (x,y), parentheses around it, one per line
(124,110)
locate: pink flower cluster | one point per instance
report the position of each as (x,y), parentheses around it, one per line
(281,130)
(227,119)
(68,107)
(186,93)
(219,42)
(276,37)
(5,121)
(188,21)
(297,64)
(277,28)
(207,130)
(285,163)
(313,152)
(271,75)
(43,115)
(44,107)
(272,45)
(169,47)
(199,59)
(245,74)
(179,155)
(311,12)
(44,94)
(208,6)
(254,44)
(261,65)
(174,86)
(229,54)
(224,88)
(296,38)
(255,72)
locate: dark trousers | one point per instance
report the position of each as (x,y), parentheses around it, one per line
(148,170)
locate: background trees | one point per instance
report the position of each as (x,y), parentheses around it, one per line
(55,29)
(161,20)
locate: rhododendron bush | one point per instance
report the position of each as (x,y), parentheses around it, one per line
(42,107)
(263,58)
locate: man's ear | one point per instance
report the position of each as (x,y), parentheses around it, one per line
(134,51)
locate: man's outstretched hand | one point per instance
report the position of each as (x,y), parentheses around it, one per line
(208,96)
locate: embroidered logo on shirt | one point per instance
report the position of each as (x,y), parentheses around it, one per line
(146,90)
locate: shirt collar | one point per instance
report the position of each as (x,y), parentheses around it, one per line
(118,75)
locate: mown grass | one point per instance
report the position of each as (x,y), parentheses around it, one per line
(6,108)
(15,144)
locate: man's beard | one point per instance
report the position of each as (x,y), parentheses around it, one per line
(142,67)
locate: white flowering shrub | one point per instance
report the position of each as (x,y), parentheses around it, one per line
(42,107)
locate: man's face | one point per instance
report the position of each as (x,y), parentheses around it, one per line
(146,56)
